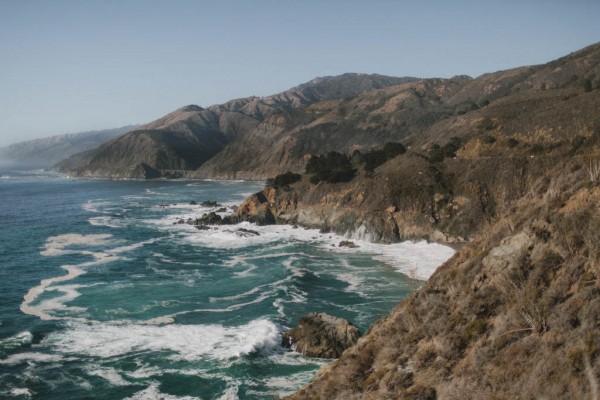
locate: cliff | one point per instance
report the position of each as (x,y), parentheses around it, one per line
(515,313)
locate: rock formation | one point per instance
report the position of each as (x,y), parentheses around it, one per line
(321,335)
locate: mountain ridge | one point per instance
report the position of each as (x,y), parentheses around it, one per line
(216,124)
(50,150)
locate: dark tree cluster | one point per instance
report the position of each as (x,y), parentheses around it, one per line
(332,167)
(376,157)
(284,180)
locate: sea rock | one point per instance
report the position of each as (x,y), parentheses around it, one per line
(348,244)
(243,232)
(210,203)
(321,335)
(203,227)
(210,218)
(193,203)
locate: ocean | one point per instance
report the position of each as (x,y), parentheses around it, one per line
(105,295)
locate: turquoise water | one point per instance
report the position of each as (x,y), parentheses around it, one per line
(103,295)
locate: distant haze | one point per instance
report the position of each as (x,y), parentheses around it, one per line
(69,66)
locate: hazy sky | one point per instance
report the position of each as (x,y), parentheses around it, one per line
(71,66)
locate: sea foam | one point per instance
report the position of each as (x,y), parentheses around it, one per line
(185,342)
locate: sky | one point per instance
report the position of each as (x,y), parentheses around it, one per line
(78,65)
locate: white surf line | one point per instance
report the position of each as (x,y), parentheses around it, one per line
(56,246)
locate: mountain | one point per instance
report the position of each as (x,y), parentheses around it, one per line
(181,141)
(506,167)
(48,151)
(417,112)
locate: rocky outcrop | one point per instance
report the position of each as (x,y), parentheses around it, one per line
(514,314)
(321,335)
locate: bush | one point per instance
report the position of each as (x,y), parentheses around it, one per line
(489,139)
(333,167)
(452,147)
(512,143)
(376,157)
(284,180)
(435,154)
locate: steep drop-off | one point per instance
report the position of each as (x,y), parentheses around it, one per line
(516,312)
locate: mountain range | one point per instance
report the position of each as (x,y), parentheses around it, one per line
(48,151)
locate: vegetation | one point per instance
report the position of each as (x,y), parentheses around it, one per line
(284,180)
(376,157)
(332,167)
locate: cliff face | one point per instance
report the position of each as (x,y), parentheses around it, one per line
(515,314)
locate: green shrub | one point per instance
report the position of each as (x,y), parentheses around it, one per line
(435,154)
(489,139)
(332,167)
(284,180)
(512,143)
(376,157)
(451,147)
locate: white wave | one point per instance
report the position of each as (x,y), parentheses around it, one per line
(125,249)
(21,392)
(111,375)
(18,340)
(110,222)
(186,342)
(150,191)
(31,357)
(96,206)
(57,246)
(287,385)
(152,392)
(231,393)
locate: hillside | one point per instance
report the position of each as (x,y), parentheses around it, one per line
(515,174)
(417,112)
(180,142)
(48,151)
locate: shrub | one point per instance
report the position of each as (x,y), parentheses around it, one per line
(376,157)
(451,147)
(332,167)
(537,148)
(284,180)
(489,139)
(435,154)
(512,143)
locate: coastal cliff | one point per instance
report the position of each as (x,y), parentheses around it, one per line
(515,314)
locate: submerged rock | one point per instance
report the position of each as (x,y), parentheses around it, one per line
(348,244)
(321,335)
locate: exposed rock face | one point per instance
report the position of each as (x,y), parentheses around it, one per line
(321,335)
(515,314)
